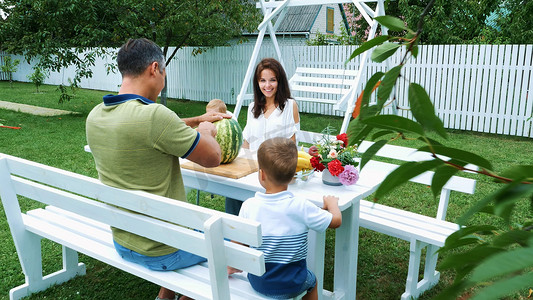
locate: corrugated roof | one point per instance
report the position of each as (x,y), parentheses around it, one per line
(299,18)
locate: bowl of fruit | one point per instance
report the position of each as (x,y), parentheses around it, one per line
(304,170)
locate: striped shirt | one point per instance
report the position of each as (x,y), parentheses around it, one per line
(285,222)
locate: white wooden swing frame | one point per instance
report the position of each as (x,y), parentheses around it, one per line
(346,83)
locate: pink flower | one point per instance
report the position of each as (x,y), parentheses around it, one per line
(349,176)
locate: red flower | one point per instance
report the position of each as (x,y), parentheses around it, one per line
(344,138)
(335,167)
(315,163)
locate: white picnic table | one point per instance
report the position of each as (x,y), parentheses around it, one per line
(346,236)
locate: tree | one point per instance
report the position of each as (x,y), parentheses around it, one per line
(9,67)
(515,22)
(496,260)
(37,77)
(449,22)
(76,32)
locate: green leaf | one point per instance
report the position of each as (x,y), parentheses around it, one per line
(357,132)
(369,87)
(423,110)
(503,263)
(387,84)
(381,133)
(392,23)
(404,173)
(453,291)
(465,261)
(455,239)
(441,177)
(384,51)
(505,287)
(509,192)
(414,51)
(367,46)
(371,151)
(395,123)
(459,155)
(429,141)
(519,173)
(509,238)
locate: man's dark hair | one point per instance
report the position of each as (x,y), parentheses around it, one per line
(137,54)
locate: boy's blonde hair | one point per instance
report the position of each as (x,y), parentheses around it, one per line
(216,105)
(277,157)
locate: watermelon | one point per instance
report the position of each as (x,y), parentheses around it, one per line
(229,137)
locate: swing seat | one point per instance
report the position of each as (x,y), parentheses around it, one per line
(330,86)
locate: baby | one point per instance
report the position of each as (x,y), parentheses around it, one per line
(216,105)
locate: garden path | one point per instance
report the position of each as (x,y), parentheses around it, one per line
(34,110)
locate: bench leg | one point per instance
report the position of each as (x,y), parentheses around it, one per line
(431,275)
(413,287)
(413,271)
(32,266)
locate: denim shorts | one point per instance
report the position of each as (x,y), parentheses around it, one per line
(173,261)
(308,286)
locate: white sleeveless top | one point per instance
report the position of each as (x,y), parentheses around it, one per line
(278,124)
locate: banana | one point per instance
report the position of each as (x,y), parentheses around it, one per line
(303,164)
(304,154)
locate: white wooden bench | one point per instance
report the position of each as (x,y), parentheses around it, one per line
(80,211)
(420,230)
(335,82)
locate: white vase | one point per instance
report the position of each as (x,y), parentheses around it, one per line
(329,179)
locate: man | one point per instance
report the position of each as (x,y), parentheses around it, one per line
(137,144)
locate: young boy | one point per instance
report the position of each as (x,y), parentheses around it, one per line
(285,221)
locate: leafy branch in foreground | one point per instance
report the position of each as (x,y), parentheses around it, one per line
(496,261)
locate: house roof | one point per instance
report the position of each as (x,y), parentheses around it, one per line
(299,18)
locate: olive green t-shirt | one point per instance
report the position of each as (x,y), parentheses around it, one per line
(136,145)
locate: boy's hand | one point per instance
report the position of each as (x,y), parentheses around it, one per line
(331,204)
(329,200)
(232,270)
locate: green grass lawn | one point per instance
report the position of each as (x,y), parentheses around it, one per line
(58,141)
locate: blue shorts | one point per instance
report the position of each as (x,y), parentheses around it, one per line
(173,261)
(308,286)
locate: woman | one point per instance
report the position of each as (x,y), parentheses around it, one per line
(272,114)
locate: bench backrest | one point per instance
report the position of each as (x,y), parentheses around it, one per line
(168,221)
(328,84)
(456,183)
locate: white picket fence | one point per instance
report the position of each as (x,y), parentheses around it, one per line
(481,88)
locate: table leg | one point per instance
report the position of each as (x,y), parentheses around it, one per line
(346,250)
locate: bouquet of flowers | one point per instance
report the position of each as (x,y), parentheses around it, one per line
(336,156)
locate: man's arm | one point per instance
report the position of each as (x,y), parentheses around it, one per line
(207,152)
(211,116)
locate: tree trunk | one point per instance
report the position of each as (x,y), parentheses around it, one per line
(164,94)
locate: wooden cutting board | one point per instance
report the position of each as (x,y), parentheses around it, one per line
(238,168)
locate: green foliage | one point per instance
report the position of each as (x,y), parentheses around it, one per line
(515,22)
(10,67)
(75,33)
(37,77)
(497,261)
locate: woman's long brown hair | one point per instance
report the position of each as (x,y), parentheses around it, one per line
(283,92)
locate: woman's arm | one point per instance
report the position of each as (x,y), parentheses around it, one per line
(296,116)
(295,113)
